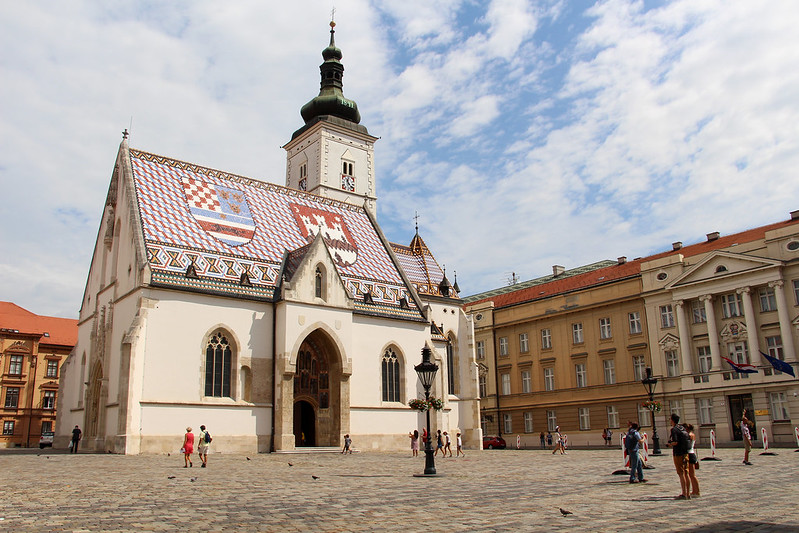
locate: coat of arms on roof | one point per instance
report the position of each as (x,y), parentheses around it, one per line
(221,211)
(334,231)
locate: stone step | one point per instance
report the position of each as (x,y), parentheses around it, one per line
(313,449)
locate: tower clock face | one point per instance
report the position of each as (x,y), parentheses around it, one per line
(347,182)
(304,184)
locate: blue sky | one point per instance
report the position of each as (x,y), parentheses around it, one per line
(525,134)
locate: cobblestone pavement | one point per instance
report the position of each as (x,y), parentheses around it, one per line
(496,490)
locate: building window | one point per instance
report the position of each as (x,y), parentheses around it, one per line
(580,374)
(731,305)
(698,312)
(218,361)
(635,322)
(452,367)
(505,384)
(528,422)
(48,400)
(638,367)
(666,316)
(524,345)
(546,339)
(704,407)
(390,368)
(15,365)
(47,426)
(347,177)
(613,416)
(503,346)
(774,344)
(552,421)
(577,333)
(609,366)
(12,397)
(481,349)
(779,406)
(508,422)
(318,283)
(768,302)
(527,385)
(604,328)
(644,416)
(672,364)
(481,382)
(52,369)
(8,427)
(304,177)
(675,406)
(705,359)
(585,418)
(796,291)
(738,352)
(549,379)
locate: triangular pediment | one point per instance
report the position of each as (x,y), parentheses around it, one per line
(733,331)
(721,264)
(669,342)
(302,268)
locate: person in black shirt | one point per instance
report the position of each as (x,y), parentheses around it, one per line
(679,451)
(73,448)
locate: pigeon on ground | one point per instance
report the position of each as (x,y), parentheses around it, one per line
(291,464)
(193,479)
(315,477)
(564,512)
(248,459)
(168,454)
(171,477)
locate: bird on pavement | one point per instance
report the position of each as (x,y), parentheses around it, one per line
(193,479)
(291,464)
(564,512)
(171,477)
(315,477)
(248,459)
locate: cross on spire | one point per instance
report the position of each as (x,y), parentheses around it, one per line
(416,221)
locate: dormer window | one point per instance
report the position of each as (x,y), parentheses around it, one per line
(347,176)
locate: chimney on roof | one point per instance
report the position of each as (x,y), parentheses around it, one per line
(676,245)
(795,215)
(622,260)
(713,236)
(557,270)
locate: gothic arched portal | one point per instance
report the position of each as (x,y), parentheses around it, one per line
(317,396)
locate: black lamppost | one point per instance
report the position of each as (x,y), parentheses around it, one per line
(649,384)
(427,372)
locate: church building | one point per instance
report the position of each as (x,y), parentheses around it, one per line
(277,316)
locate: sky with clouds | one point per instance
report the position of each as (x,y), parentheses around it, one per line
(524,133)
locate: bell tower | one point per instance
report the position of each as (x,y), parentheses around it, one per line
(332,155)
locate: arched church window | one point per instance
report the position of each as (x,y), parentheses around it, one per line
(452,369)
(391,376)
(320,290)
(218,361)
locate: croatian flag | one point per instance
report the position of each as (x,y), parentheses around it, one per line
(778,364)
(742,368)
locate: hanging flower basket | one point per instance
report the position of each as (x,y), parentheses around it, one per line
(653,406)
(419,405)
(436,403)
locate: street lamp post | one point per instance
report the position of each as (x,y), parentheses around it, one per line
(649,384)
(427,372)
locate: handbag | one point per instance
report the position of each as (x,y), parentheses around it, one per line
(183,450)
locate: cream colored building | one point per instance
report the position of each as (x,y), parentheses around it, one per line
(571,349)
(279,317)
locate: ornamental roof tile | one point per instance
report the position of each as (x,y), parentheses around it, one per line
(228,225)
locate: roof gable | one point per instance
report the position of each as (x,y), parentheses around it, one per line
(720,264)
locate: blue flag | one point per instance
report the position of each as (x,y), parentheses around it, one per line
(778,364)
(743,368)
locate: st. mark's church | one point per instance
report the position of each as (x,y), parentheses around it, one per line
(279,317)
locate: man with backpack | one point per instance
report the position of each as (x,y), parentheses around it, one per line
(680,442)
(204,439)
(632,443)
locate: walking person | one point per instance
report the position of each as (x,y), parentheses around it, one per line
(609,437)
(447,444)
(679,441)
(347,444)
(414,443)
(559,444)
(747,436)
(459,445)
(73,444)
(632,443)
(543,440)
(203,442)
(693,462)
(187,448)
(549,438)
(439,443)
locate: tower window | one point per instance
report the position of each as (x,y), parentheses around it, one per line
(346,168)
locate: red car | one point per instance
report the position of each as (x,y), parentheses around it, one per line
(489,443)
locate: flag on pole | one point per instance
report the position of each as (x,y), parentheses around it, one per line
(742,368)
(778,364)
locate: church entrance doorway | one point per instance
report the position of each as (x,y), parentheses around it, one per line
(317,382)
(304,424)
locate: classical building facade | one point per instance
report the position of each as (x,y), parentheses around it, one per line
(279,317)
(32,350)
(571,349)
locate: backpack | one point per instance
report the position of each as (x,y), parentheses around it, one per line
(630,442)
(683,440)
(208,438)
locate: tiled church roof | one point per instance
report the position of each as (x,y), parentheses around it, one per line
(421,267)
(227,226)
